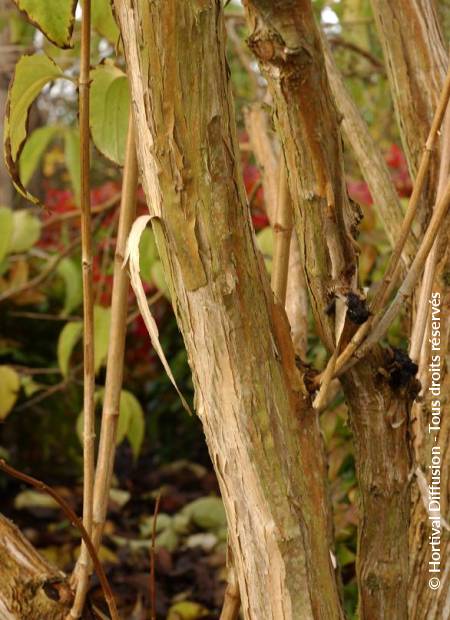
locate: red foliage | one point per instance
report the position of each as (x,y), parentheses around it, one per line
(396,162)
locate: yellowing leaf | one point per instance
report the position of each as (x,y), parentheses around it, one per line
(148,254)
(70,271)
(6,229)
(102,323)
(103,20)
(68,338)
(31,74)
(131,411)
(9,388)
(109,109)
(158,278)
(132,256)
(54,18)
(33,150)
(26,231)
(187,610)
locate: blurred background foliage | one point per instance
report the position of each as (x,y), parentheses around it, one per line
(41,297)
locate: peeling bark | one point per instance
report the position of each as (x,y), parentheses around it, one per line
(287,44)
(416,64)
(29,587)
(262,435)
(416,61)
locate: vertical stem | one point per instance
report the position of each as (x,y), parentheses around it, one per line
(116,350)
(88,310)
(282,237)
(418,331)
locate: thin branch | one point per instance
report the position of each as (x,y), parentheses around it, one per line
(75,213)
(392,271)
(150,301)
(242,55)
(76,521)
(341,42)
(419,327)
(371,162)
(388,281)
(407,287)
(282,238)
(264,148)
(116,351)
(152,561)
(82,580)
(45,273)
(44,316)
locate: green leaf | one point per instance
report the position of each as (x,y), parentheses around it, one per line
(26,231)
(265,241)
(33,150)
(207,513)
(103,20)
(70,271)
(159,279)
(9,389)
(68,338)
(109,109)
(6,230)
(72,155)
(148,254)
(132,424)
(102,323)
(54,18)
(30,386)
(31,74)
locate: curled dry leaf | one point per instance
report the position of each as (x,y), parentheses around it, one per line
(132,257)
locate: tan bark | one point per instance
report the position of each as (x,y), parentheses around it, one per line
(369,158)
(287,43)
(416,64)
(257,124)
(29,586)
(263,438)
(416,61)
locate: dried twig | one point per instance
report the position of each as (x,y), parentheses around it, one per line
(82,577)
(419,327)
(370,160)
(282,238)
(392,270)
(114,366)
(58,218)
(76,521)
(413,275)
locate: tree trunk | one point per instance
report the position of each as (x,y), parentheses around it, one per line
(287,44)
(262,435)
(29,587)
(416,61)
